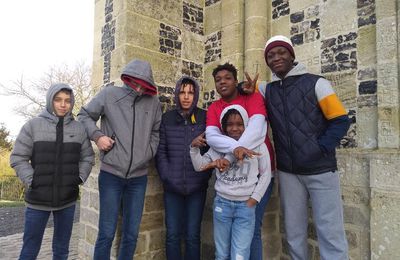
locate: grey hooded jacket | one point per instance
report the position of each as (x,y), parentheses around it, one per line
(52,155)
(132,120)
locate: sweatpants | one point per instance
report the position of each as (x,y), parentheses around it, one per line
(323,192)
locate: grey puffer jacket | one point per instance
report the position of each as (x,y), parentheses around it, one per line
(132,120)
(52,156)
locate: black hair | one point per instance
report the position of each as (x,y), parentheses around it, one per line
(227,66)
(187,81)
(224,120)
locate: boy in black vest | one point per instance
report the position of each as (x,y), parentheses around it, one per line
(308,121)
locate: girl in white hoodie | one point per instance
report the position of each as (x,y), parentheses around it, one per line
(239,187)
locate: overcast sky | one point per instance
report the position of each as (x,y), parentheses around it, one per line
(39,34)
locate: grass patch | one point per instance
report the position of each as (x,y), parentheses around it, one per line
(9,203)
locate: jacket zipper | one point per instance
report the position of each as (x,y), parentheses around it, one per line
(184,159)
(59,147)
(132,140)
(287,125)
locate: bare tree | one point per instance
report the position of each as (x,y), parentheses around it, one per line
(32,93)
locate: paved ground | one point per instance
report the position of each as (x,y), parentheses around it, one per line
(11,232)
(10,246)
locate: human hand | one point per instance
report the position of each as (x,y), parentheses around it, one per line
(251,202)
(199,141)
(241,152)
(220,164)
(105,143)
(249,86)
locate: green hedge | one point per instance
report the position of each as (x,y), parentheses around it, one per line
(11,188)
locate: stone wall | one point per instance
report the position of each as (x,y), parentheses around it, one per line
(353,43)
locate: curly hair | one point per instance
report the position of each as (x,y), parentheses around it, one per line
(227,66)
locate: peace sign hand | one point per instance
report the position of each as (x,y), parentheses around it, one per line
(249,86)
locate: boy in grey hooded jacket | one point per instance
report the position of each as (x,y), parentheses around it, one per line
(127,139)
(52,156)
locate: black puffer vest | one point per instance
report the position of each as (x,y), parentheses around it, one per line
(297,122)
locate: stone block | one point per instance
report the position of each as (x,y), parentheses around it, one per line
(270,223)
(207,251)
(353,195)
(154,203)
(366,46)
(166,69)
(255,63)
(212,18)
(352,239)
(273,204)
(385,8)
(196,2)
(232,12)
(94,200)
(353,167)
(255,34)
(154,185)
(367,129)
(386,39)
(309,55)
(151,221)
(255,8)
(85,198)
(331,25)
(367,87)
(296,6)
(166,11)
(367,73)
(384,171)
(90,234)
(385,229)
(193,47)
(280,26)
(232,39)
(143,243)
(387,84)
(271,246)
(156,239)
(147,34)
(388,127)
(207,231)
(88,216)
(344,85)
(355,215)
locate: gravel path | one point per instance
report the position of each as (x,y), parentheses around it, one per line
(12,220)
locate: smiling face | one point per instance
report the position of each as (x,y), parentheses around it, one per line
(280,61)
(225,84)
(62,103)
(186,96)
(234,126)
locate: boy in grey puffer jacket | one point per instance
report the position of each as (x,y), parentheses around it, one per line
(52,156)
(127,139)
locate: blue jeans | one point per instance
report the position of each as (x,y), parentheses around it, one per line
(116,193)
(256,252)
(233,228)
(35,224)
(183,215)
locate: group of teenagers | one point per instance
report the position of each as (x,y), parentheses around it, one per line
(53,155)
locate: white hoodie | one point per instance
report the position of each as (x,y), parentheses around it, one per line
(240,181)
